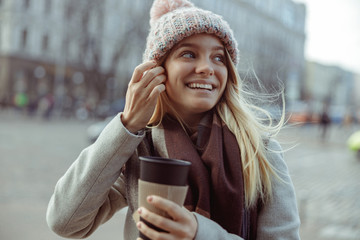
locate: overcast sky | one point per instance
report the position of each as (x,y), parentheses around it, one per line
(333,32)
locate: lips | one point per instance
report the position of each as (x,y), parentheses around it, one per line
(200,86)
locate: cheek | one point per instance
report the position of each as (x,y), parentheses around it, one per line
(170,75)
(223,76)
(171,87)
(175,76)
(170,81)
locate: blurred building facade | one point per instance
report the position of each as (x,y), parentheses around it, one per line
(356,95)
(30,42)
(72,50)
(83,52)
(332,86)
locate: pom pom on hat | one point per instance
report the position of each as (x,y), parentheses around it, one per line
(161,7)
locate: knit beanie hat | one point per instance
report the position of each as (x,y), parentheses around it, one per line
(173,20)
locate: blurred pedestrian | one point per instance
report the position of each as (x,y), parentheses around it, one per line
(33,105)
(324,121)
(185,101)
(46,106)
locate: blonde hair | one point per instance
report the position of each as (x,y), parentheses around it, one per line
(251,126)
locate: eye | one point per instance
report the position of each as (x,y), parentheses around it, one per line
(220,58)
(187,55)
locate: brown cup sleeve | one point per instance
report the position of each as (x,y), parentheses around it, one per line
(176,194)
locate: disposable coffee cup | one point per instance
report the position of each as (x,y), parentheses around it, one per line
(164,177)
(166,171)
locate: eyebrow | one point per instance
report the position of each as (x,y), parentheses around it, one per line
(219,47)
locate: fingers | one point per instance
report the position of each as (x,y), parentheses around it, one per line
(153,77)
(147,76)
(148,72)
(156,78)
(182,224)
(149,232)
(140,69)
(157,220)
(156,92)
(150,78)
(143,90)
(174,210)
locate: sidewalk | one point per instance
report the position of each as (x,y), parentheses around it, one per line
(326,176)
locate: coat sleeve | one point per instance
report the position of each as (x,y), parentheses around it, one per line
(93,188)
(208,229)
(278,218)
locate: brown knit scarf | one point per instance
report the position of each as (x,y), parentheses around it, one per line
(216,188)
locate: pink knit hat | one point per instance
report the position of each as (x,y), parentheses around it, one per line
(173,20)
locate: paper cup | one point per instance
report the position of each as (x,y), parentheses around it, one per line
(163,177)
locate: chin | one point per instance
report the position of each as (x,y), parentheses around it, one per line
(203,108)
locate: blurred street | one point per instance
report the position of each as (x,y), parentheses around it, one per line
(326,176)
(35,153)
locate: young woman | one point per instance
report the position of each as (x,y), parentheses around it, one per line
(185,101)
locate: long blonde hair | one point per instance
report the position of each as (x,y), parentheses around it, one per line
(249,127)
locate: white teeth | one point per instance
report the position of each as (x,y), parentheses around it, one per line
(200,85)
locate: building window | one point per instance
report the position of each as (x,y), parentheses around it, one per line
(47,6)
(45,43)
(65,47)
(288,16)
(69,12)
(26,4)
(24,36)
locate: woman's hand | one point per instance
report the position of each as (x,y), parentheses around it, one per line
(182,225)
(146,84)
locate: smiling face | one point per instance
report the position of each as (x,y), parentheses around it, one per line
(196,76)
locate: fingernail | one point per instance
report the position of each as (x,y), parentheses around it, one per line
(149,198)
(138,225)
(139,210)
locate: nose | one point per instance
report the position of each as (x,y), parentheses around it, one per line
(204,67)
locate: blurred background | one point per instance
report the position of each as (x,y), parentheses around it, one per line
(65,66)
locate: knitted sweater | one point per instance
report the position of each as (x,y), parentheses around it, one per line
(93,189)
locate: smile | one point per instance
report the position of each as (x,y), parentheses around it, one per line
(200,86)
